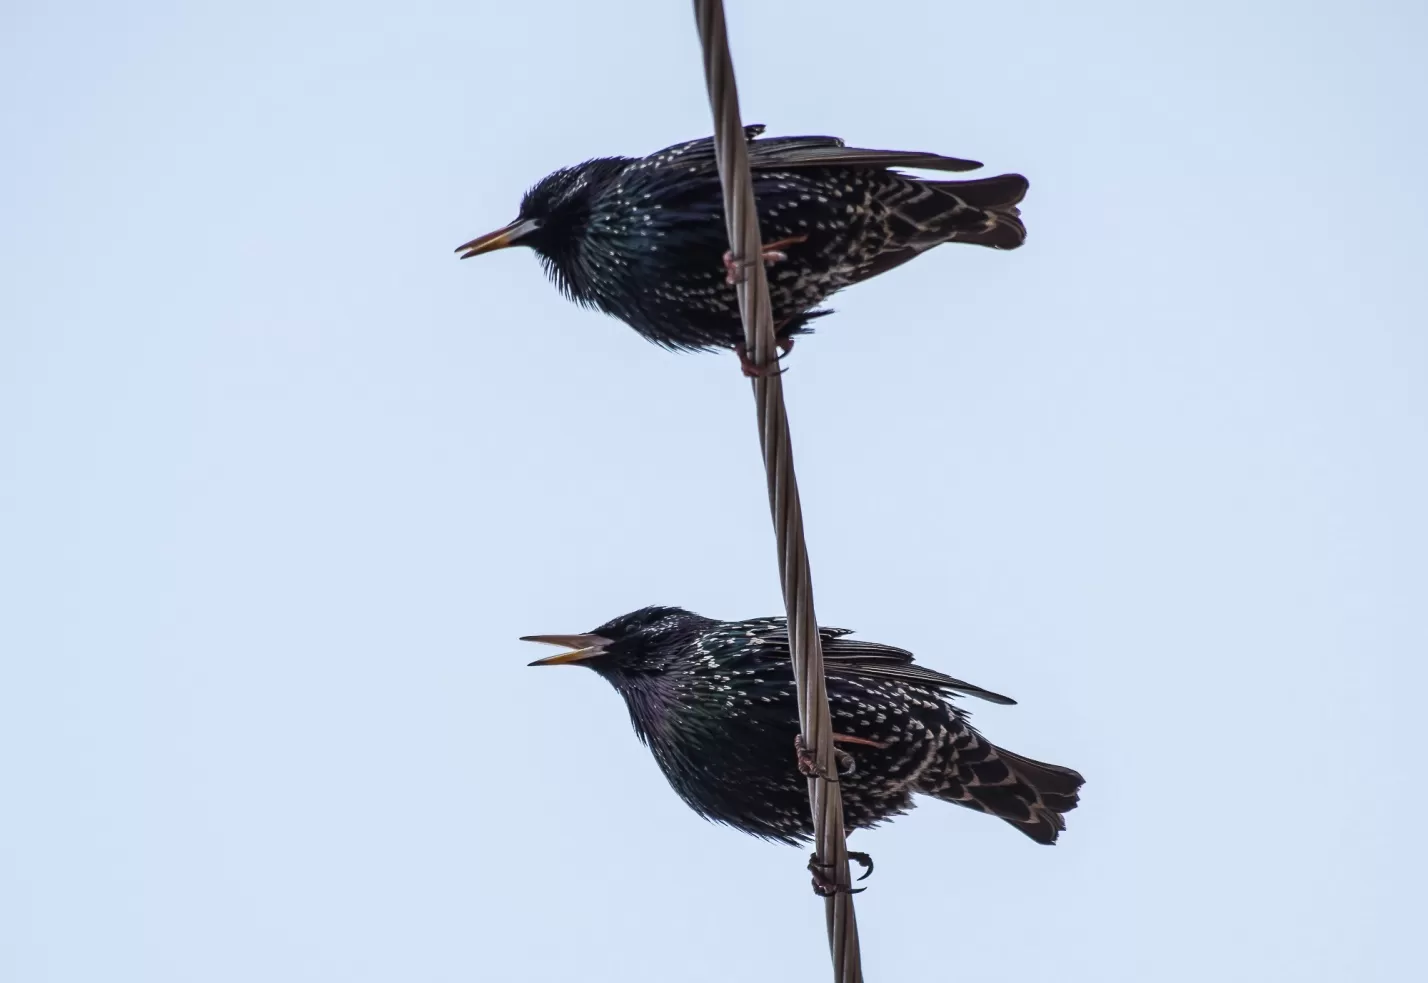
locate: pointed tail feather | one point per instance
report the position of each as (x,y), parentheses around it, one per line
(923,214)
(991,218)
(999,230)
(1001,193)
(1057,791)
(1030,795)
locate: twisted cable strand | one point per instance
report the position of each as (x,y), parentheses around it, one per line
(742,220)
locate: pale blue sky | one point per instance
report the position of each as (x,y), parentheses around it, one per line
(281,482)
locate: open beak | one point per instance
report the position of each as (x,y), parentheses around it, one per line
(509,235)
(585,647)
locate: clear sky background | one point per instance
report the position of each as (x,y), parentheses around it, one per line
(282,481)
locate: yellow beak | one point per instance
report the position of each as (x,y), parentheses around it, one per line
(585,647)
(509,235)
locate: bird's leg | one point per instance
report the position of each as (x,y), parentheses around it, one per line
(808,761)
(784,244)
(752,369)
(865,741)
(807,764)
(772,253)
(733,269)
(824,886)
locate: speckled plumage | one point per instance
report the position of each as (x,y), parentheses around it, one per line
(715,702)
(643,239)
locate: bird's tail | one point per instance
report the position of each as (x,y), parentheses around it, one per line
(1031,795)
(923,214)
(984,211)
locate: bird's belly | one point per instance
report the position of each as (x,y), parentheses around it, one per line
(796,290)
(755,786)
(673,288)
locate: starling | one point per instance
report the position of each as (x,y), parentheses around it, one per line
(715,702)
(644,239)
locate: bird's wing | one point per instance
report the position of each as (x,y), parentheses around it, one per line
(781,153)
(873,659)
(819,151)
(885,660)
(701,150)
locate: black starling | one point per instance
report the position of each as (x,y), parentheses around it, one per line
(644,240)
(715,702)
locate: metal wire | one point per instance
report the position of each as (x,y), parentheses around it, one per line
(742,219)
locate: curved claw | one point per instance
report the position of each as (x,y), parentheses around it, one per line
(751,368)
(824,886)
(862,860)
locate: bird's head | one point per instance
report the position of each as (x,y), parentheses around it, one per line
(552,214)
(640,643)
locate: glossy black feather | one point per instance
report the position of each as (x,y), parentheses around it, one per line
(715,702)
(642,239)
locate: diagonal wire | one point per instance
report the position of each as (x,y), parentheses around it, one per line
(742,221)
